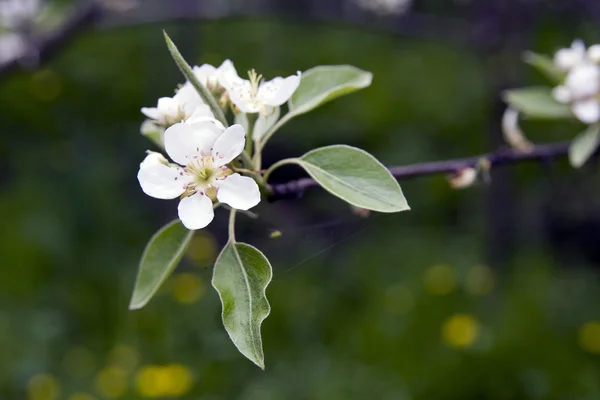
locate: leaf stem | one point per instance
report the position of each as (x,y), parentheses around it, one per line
(232,226)
(277,165)
(191,77)
(273,129)
(252,117)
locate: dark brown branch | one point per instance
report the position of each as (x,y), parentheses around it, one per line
(497,158)
(43,47)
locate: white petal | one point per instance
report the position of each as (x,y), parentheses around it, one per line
(277,91)
(263,124)
(168,107)
(185,142)
(240,93)
(587,111)
(561,94)
(151,112)
(227,74)
(159,180)
(594,53)
(206,74)
(229,145)
(566,59)
(188,98)
(196,211)
(240,192)
(584,80)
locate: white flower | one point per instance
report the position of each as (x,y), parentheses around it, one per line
(255,95)
(565,59)
(184,106)
(201,175)
(16,13)
(209,75)
(582,91)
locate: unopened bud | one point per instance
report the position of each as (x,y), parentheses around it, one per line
(463,178)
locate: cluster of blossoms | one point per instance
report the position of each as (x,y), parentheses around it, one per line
(203,149)
(581,87)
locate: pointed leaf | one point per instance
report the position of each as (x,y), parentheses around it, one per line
(324,83)
(537,102)
(162,253)
(584,145)
(187,71)
(545,65)
(354,176)
(241,276)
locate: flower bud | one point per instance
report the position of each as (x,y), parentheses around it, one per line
(463,178)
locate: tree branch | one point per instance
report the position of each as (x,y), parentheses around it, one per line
(501,157)
(43,47)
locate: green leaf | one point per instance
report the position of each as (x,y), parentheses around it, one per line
(153,132)
(584,145)
(241,276)
(162,253)
(537,102)
(354,176)
(545,65)
(324,83)
(193,79)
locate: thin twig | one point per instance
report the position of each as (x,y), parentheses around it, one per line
(47,45)
(503,156)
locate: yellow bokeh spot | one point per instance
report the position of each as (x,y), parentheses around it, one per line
(439,280)
(399,299)
(460,331)
(151,382)
(81,396)
(180,380)
(589,337)
(46,85)
(124,357)
(79,362)
(187,288)
(111,382)
(43,387)
(480,280)
(169,381)
(203,249)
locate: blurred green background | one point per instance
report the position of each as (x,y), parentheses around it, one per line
(486,293)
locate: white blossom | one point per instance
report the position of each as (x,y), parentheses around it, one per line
(201,175)
(565,59)
(582,91)
(186,105)
(208,75)
(255,95)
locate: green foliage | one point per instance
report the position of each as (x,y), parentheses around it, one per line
(545,65)
(160,258)
(322,84)
(354,176)
(241,276)
(537,102)
(584,145)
